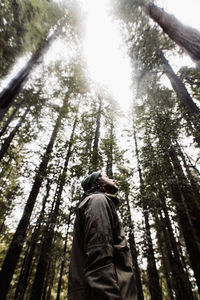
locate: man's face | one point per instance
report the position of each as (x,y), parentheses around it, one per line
(108,184)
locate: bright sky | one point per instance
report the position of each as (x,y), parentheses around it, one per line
(107,63)
(184,10)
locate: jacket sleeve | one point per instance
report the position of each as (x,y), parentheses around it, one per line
(99,271)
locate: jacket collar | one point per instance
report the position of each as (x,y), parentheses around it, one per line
(113,198)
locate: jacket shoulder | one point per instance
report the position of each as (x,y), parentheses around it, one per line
(94,199)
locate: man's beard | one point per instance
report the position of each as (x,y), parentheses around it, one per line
(111,189)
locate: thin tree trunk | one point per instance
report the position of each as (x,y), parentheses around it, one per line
(134,253)
(16,245)
(194,185)
(14,87)
(196,170)
(109,165)
(178,86)
(95,151)
(188,234)
(9,201)
(180,280)
(165,256)
(44,259)
(45,254)
(20,289)
(184,98)
(8,140)
(3,130)
(17,24)
(154,286)
(63,261)
(183,259)
(49,281)
(191,205)
(26,268)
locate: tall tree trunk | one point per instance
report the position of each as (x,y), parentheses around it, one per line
(95,151)
(178,86)
(45,255)
(20,30)
(26,268)
(8,140)
(183,259)
(134,252)
(191,205)
(48,286)
(154,286)
(186,37)
(184,98)
(3,130)
(14,87)
(63,261)
(185,225)
(194,185)
(109,165)
(165,256)
(167,242)
(180,281)
(16,245)
(12,194)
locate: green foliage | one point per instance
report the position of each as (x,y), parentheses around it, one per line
(191,77)
(24,25)
(158,125)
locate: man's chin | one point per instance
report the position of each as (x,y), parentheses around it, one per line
(112,189)
(116,189)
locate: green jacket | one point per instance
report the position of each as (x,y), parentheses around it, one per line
(100,264)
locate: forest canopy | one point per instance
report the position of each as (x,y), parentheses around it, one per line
(58,124)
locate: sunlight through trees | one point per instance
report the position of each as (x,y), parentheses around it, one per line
(104,94)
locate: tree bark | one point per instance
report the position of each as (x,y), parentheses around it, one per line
(165,256)
(8,140)
(154,286)
(194,185)
(185,225)
(45,254)
(109,165)
(16,245)
(63,262)
(134,252)
(48,286)
(177,276)
(191,206)
(178,86)
(3,130)
(185,36)
(95,151)
(184,98)
(180,281)
(26,268)
(14,87)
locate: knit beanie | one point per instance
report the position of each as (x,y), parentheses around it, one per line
(90,180)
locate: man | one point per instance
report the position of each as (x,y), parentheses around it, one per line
(100,265)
